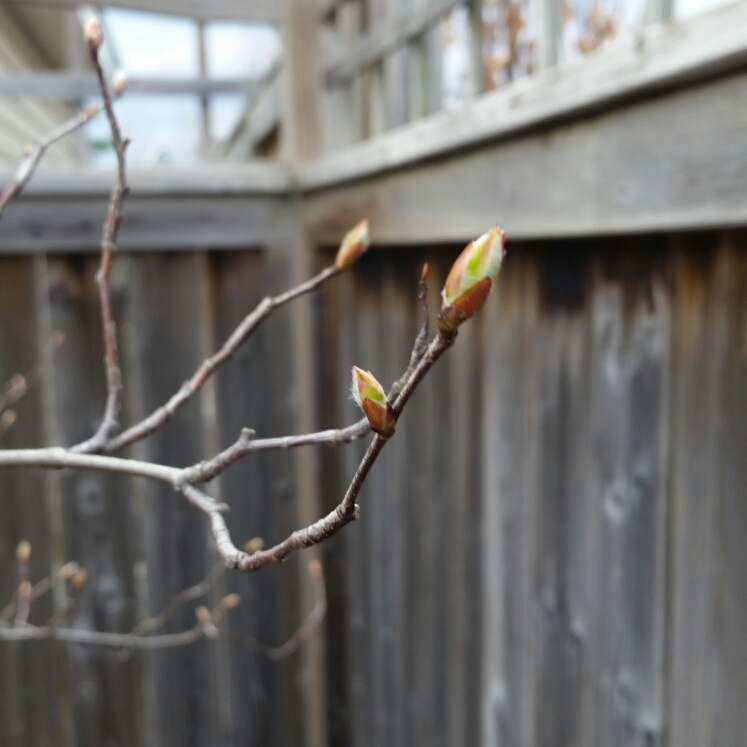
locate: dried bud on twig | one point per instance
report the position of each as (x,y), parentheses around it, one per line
(119,82)
(470,279)
(7,420)
(202,614)
(229,602)
(93,35)
(315,569)
(24,589)
(370,396)
(78,580)
(354,244)
(69,570)
(23,551)
(255,544)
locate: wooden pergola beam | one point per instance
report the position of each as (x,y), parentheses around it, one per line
(269,11)
(71,85)
(368,50)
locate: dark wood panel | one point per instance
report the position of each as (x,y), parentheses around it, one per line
(98,523)
(29,671)
(252,392)
(708,666)
(169,314)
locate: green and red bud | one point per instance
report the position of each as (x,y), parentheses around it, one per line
(354,244)
(470,279)
(371,398)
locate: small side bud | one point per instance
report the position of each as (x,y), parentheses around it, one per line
(7,420)
(93,35)
(17,385)
(470,279)
(255,544)
(23,551)
(370,397)
(202,614)
(24,589)
(28,149)
(229,602)
(424,272)
(78,580)
(355,243)
(119,82)
(69,570)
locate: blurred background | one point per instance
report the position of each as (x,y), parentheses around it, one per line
(553,549)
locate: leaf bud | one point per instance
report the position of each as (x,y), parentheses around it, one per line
(23,551)
(354,244)
(202,613)
(470,279)
(229,602)
(78,580)
(255,544)
(69,570)
(93,35)
(370,397)
(119,82)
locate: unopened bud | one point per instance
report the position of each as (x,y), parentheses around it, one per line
(7,420)
(370,396)
(69,570)
(28,149)
(93,35)
(255,544)
(23,551)
(17,385)
(202,614)
(470,279)
(78,579)
(354,244)
(92,111)
(229,602)
(119,82)
(24,589)
(424,272)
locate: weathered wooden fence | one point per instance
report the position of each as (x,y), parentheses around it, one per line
(552,550)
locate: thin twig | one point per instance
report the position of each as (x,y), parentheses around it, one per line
(193,592)
(110,422)
(207,624)
(32,158)
(275,653)
(166,412)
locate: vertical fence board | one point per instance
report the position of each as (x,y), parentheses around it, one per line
(29,676)
(169,305)
(96,512)
(708,667)
(625,533)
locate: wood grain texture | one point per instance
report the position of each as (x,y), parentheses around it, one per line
(677,161)
(708,611)
(169,307)
(29,671)
(99,526)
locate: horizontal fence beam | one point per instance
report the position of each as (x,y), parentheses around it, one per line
(71,85)
(269,11)
(664,56)
(674,162)
(368,50)
(206,207)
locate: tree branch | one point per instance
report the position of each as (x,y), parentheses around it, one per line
(166,412)
(110,422)
(34,154)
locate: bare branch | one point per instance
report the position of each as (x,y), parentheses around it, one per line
(110,422)
(166,412)
(34,154)
(207,621)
